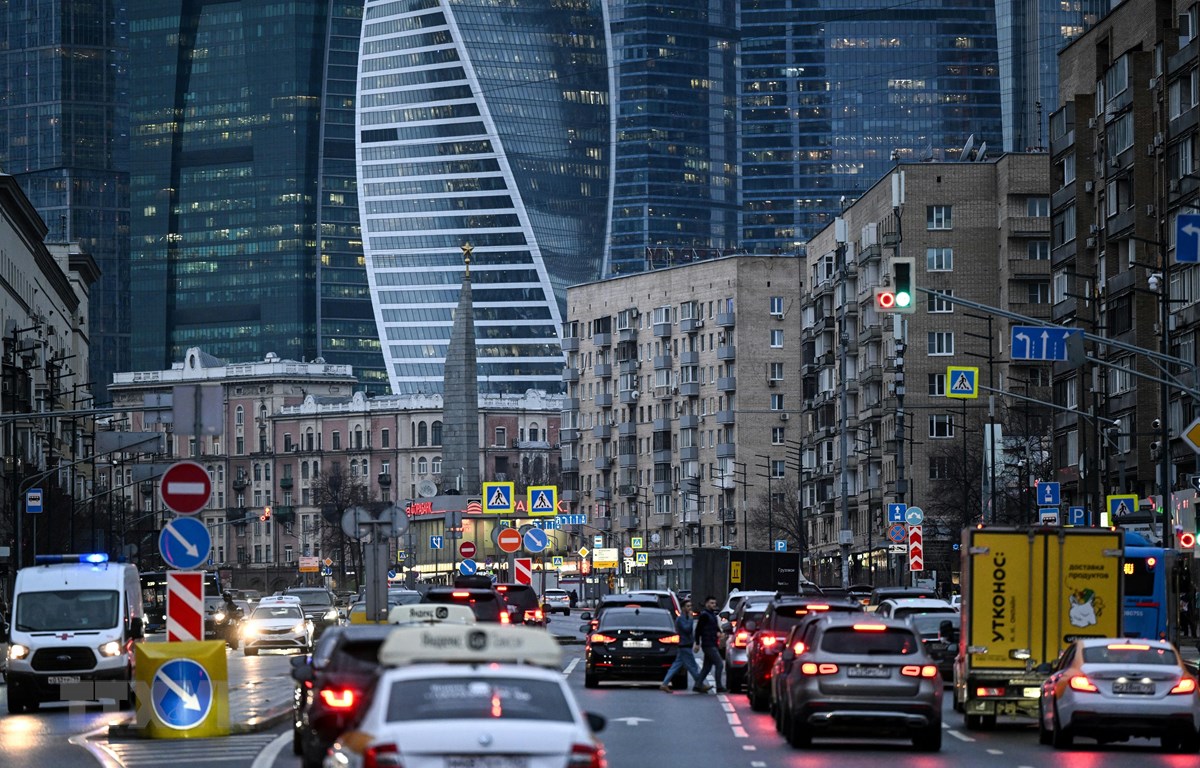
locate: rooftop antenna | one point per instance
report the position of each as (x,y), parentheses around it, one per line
(965,155)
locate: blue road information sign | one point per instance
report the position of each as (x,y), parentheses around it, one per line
(542,500)
(1049,494)
(1036,342)
(33,501)
(598,540)
(498,498)
(1077,516)
(1187,238)
(548,524)
(182,694)
(896,512)
(535,540)
(962,382)
(184,543)
(468,567)
(914,515)
(1120,506)
(1048,515)
(572,519)
(326,571)
(643,558)
(391,574)
(897,533)
(556,561)
(437,542)
(780,545)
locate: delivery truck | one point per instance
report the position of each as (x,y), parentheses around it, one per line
(718,572)
(1027,593)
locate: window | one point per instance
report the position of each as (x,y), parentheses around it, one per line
(337,440)
(939,217)
(1068,169)
(939,259)
(422,466)
(1059,287)
(939,467)
(941,425)
(1039,250)
(777,306)
(1181,94)
(775,371)
(422,433)
(937,303)
(778,467)
(937,384)
(1120,135)
(1062,227)
(1039,292)
(1120,379)
(239,416)
(1116,78)
(501,438)
(777,435)
(941,342)
(776,402)
(1037,206)
(385,438)
(435,433)
(777,338)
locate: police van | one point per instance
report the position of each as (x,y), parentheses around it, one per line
(75,619)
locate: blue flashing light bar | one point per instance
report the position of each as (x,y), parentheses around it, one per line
(93,557)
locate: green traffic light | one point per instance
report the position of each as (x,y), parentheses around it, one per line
(903,299)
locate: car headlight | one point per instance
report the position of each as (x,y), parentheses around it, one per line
(331,615)
(249,630)
(110,649)
(17,651)
(301,628)
(219,617)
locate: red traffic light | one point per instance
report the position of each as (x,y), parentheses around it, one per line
(1187,540)
(885,299)
(266,515)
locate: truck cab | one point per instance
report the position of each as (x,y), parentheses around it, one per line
(75,619)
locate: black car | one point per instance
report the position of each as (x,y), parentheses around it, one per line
(485,603)
(592,618)
(333,687)
(525,600)
(318,606)
(221,623)
(939,635)
(632,644)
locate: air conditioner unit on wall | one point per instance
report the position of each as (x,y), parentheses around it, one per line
(1089,186)
(784,417)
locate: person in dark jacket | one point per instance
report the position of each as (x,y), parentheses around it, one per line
(708,630)
(685,657)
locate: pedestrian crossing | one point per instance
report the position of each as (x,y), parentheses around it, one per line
(229,752)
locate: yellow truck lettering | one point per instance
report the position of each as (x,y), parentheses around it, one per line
(999,600)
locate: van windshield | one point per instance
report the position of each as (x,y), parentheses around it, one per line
(71,610)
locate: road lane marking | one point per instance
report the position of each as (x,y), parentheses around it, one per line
(749,747)
(740,733)
(96,749)
(757,764)
(571,667)
(995,752)
(959,736)
(733,718)
(266,758)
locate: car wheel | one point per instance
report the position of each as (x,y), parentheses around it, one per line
(734,679)
(312,753)
(929,739)
(1043,731)
(1060,737)
(797,733)
(590,680)
(16,702)
(567,612)
(250,651)
(759,702)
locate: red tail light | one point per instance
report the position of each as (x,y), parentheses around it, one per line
(382,756)
(740,639)
(798,648)
(460,594)
(334,699)
(669,639)
(983,693)
(818,607)
(505,618)
(501,588)
(1081,683)
(587,756)
(534,615)
(813,668)
(768,641)
(601,638)
(916,670)
(1186,685)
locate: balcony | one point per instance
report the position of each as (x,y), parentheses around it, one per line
(283,515)
(603,463)
(626,460)
(285,483)
(691,453)
(569,495)
(727,383)
(602,431)
(568,435)
(602,339)
(629,396)
(689,421)
(727,352)
(603,371)
(726,319)
(628,490)
(690,389)
(627,429)
(726,451)
(663,361)
(631,522)
(601,523)
(662,330)
(664,457)
(690,325)
(603,494)
(570,465)
(627,334)
(570,375)
(663,487)
(629,366)
(726,417)
(604,400)
(662,425)
(689,358)
(570,344)
(570,404)
(725,481)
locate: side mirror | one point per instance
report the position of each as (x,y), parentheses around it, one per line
(595,722)
(136,630)
(724,615)
(302,671)
(586,616)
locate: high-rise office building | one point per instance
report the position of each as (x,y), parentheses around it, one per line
(675,185)
(64,128)
(832,92)
(244,229)
(1029,37)
(485,125)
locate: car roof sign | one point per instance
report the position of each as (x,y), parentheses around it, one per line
(431,613)
(448,643)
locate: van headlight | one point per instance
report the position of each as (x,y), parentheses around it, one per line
(16,652)
(110,649)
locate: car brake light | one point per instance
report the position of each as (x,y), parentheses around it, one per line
(505,618)
(798,648)
(739,640)
(916,670)
(766,641)
(382,756)
(983,693)
(602,638)
(460,594)
(334,699)
(534,615)
(501,588)
(813,668)
(870,628)
(669,639)
(587,756)
(1186,685)
(818,607)
(1127,647)
(1081,683)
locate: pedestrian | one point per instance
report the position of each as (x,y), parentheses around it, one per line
(574,598)
(685,656)
(1185,616)
(708,629)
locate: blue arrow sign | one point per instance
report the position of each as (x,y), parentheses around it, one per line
(572,519)
(326,571)
(535,539)
(1187,238)
(468,567)
(1035,342)
(1049,494)
(895,512)
(184,543)
(182,694)
(436,542)
(914,515)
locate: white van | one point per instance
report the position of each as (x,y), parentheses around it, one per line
(74,621)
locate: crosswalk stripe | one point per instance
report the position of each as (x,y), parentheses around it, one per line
(191,751)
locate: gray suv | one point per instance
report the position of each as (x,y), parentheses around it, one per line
(319,607)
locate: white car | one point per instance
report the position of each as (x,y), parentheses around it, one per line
(276,624)
(473,696)
(903,607)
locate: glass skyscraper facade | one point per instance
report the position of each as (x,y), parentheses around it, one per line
(832,90)
(486,124)
(244,229)
(675,186)
(1030,33)
(64,126)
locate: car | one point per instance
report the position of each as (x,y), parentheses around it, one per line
(486,603)
(357,612)
(319,607)
(903,607)
(607,602)
(879,594)
(737,596)
(247,595)
(1111,689)
(522,598)
(939,635)
(478,695)
(276,623)
(864,676)
(220,623)
(860,593)
(556,601)
(956,601)
(636,643)
(734,642)
(666,599)
(768,634)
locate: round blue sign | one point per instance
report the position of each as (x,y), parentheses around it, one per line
(468,567)
(182,694)
(184,543)
(536,539)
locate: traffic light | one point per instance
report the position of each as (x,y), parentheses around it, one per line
(266,515)
(1187,540)
(900,296)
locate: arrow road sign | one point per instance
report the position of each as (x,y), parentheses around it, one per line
(1049,494)
(184,543)
(895,512)
(1034,342)
(182,694)
(468,567)
(1187,238)
(914,516)
(437,542)
(186,488)
(535,539)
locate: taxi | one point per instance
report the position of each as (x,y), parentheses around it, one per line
(277,623)
(471,696)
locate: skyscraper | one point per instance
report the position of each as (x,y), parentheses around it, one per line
(244,227)
(64,128)
(832,91)
(487,125)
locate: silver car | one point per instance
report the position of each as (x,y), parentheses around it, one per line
(1113,688)
(556,601)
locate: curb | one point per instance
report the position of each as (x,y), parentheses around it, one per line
(269,719)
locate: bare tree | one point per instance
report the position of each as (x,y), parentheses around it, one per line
(334,492)
(777,515)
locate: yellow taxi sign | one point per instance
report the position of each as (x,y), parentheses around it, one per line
(479,644)
(430,613)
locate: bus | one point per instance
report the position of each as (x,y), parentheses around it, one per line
(1151,594)
(154,597)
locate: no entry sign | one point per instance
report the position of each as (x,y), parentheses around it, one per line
(467,549)
(186,488)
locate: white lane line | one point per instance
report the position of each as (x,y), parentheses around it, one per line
(959,736)
(995,752)
(96,749)
(740,733)
(733,718)
(727,706)
(571,667)
(749,747)
(757,764)
(266,758)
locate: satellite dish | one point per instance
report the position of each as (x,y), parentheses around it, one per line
(426,489)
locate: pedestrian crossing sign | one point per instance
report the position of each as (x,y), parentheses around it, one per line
(556,561)
(543,500)
(962,382)
(1120,506)
(498,498)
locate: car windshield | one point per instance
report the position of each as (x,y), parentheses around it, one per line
(268,612)
(71,610)
(316,599)
(869,642)
(653,618)
(788,616)
(403,597)
(930,624)
(494,698)
(903,612)
(1128,653)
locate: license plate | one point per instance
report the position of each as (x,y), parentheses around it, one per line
(636,644)
(868,672)
(62,679)
(1031,693)
(486,761)
(1142,688)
